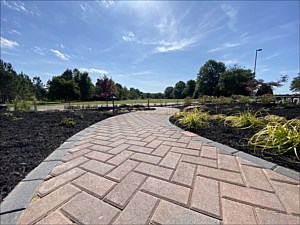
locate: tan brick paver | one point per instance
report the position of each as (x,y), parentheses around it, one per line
(136,168)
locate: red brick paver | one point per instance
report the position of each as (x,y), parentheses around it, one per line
(136,168)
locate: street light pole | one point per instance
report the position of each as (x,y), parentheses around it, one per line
(257,50)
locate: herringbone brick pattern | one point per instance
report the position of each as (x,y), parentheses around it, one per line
(139,169)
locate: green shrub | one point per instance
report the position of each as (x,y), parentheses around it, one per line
(22,106)
(68,122)
(266,98)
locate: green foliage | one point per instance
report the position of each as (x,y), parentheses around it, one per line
(244,120)
(295,84)
(219,117)
(193,119)
(189,88)
(12,116)
(204,99)
(67,122)
(178,90)
(266,98)
(234,81)
(85,85)
(275,119)
(169,92)
(13,86)
(242,99)
(278,137)
(61,89)
(39,89)
(208,78)
(22,106)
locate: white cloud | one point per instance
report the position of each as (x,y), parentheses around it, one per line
(231,62)
(129,36)
(224,46)
(107,3)
(18,6)
(93,70)
(61,55)
(271,56)
(14,32)
(175,45)
(5,43)
(38,50)
(83,8)
(231,13)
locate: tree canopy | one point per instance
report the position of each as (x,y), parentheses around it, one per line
(208,78)
(168,92)
(234,81)
(189,88)
(178,90)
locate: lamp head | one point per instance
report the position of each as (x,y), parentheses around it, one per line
(259,50)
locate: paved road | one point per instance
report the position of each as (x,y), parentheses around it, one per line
(137,168)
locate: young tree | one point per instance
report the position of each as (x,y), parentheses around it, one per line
(208,78)
(263,87)
(105,88)
(189,88)
(178,90)
(295,85)
(169,92)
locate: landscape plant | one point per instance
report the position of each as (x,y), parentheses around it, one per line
(278,137)
(244,120)
(193,119)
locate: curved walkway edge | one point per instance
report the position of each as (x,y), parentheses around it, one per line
(138,168)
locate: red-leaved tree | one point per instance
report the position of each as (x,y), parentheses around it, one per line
(105,88)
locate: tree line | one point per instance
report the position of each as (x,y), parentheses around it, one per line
(213,79)
(71,85)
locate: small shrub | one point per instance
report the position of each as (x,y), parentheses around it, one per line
(266,98)
(244,99)
(22,106)
(68,122)
(278,137)
(12,116)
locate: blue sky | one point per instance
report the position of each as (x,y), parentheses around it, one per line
(150,45)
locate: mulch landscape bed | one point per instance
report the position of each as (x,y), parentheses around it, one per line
(238,138)
(27,138)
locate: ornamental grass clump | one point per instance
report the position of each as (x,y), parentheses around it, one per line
(278,137)
(193,119)
(244,120)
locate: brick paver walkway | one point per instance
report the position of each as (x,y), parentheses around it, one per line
(138,169)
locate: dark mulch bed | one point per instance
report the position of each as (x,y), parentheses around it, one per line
(27,138)
(238,138)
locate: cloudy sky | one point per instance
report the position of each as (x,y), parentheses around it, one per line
(150,44)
